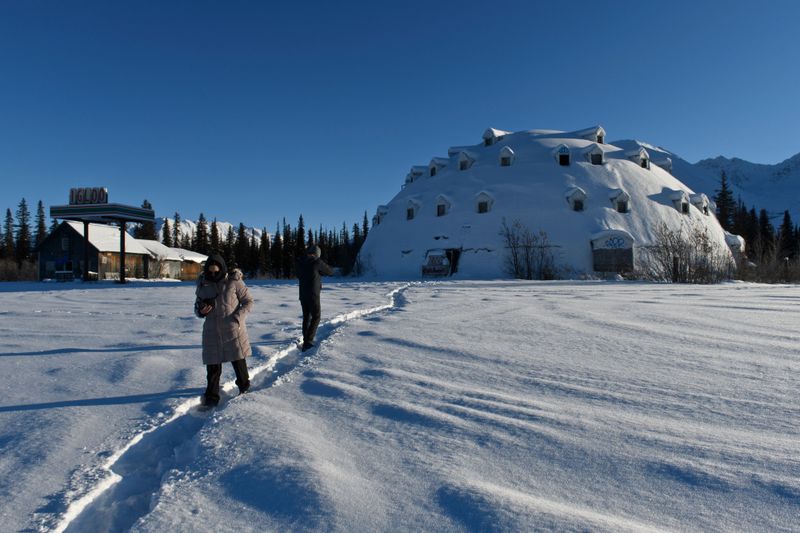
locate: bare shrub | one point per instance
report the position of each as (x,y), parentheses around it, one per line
(684,257)
(529,255)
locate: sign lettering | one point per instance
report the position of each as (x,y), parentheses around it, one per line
(88,195)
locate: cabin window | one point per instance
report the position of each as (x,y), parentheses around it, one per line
(622,207)
(600,139)
(563,160)
(441,210)
(463,165)
(645,163)
(685,208)
(410,213)
(487,142)
(597,159)
(577,205)
(705,210)
(433,171)
(483,206)
(64,244)
(505,161)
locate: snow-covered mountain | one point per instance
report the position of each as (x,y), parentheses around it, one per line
(190,227)
(568,184)
(775,188)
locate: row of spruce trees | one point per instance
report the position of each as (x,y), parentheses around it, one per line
(764,241)
(270,256)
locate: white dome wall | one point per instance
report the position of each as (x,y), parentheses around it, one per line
(531,190)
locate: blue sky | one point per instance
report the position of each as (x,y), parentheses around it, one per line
(255,111)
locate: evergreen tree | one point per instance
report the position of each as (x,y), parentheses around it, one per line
(752,233)
(8,235)
(364,227)
(253,259)
(724,201)
(146,230)
(53,225)
(264,263)
(787,241)
(276,254)
(166,234)
(41,225)
(176,230)
(310,240)
(214,238)
(300,238)
(202,246)
(228,249)
(288,251)
(186,241)
(242,250)
(23,241)
(766,233)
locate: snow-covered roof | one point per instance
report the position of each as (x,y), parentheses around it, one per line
(561,149)
(190,256)
(158,250)
(590,134)
(418,170)
(663,162)
(382,210)
(493,133)
(637,154)
(576,193)
(735,241)
(530,191)
(106,238)
(611,239)
(619,194)
(506,152)
(438,162)
(699,199)
(678,196)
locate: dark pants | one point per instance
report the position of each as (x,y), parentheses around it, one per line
(311,313)
(213,373)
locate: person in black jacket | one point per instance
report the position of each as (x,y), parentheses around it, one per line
(309,269)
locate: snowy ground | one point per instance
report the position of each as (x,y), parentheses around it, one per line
(440,406)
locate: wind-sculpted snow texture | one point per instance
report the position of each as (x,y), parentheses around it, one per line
(459,406)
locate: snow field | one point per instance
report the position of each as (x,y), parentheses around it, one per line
(505,406)
(462,406)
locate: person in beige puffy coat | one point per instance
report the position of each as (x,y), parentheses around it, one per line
(223,300)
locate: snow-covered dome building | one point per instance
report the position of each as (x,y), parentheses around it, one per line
(597,203)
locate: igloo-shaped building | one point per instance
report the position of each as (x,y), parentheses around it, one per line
(597,203)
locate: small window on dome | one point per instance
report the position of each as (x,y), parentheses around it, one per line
(563,160)
(441,210)
(622,207)
(483,206)
(410,213)
(433,171)
(597,159)
(505,161)
(685,208)
(577,205)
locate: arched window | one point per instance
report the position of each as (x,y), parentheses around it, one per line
(411,209)
(595,155)
(700,201)
(464,161)
(506,156)
(442,206)
(561,154)
(483,202)
(621,200)
(680,200)
(576,198)
(436,164)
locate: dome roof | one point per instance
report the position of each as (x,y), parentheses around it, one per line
(533,190)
